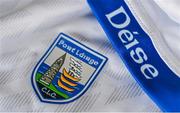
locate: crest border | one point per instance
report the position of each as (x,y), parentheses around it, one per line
(89,82)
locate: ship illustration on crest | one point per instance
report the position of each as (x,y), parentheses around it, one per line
(65,77)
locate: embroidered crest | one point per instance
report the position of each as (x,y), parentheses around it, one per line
(66,70)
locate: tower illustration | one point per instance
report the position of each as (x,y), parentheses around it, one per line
(53,70)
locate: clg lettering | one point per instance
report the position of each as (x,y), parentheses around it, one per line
(48,92)
(131,44)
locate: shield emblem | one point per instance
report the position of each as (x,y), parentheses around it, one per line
(66,70)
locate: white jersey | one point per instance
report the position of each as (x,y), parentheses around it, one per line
(29,27)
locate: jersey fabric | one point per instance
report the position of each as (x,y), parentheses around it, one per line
(28,28)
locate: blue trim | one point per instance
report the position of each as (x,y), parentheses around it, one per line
(95,76)
(164,89)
